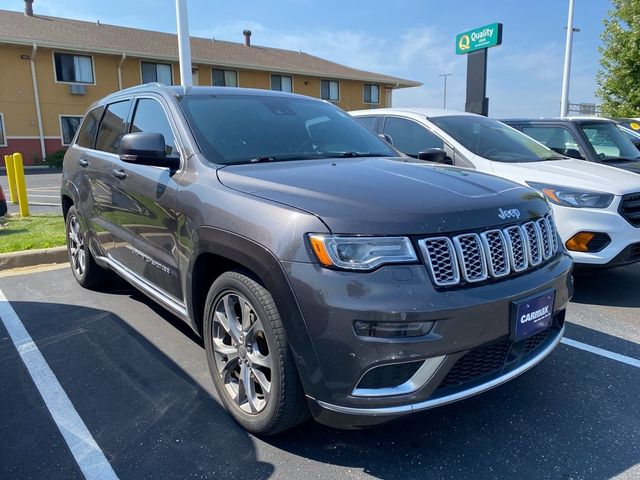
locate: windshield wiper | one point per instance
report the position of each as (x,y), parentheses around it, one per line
(355,154)
(262,159)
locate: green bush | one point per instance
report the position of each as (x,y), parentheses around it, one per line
(55,159)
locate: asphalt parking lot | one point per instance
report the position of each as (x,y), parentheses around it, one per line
(43,191)
(138,380)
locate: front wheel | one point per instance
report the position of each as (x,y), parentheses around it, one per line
(249,356)
(85,269)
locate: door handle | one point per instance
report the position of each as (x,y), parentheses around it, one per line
(83,162)
(121,174)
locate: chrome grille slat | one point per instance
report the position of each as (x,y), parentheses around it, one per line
(495,247)
(532,234)
(441,258)
(494,253)
(545,238)
(518,252)
(473,264)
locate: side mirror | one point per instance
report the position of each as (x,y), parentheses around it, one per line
(386,138)
(436,155)
(573,153)
(146,148)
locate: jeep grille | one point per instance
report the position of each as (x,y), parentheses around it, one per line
(472,257)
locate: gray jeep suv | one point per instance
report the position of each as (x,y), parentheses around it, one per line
(327,273)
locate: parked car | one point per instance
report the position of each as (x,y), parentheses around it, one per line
(596,207)
(632,135)
(3,203)
(630,123)
(325,271)
(597,140)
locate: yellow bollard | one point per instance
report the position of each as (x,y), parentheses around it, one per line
(11,178)
(18,168)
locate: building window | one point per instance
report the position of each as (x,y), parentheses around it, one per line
(371,93)
(156,72)
(330,90)
(69,126)
(3,136)
(73,68)
(224,78)
(282,83)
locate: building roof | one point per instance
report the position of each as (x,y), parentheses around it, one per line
(55,32)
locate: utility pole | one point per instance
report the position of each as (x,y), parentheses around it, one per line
(184,48)
(445,75)
(564,101)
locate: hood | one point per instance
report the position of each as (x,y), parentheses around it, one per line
(572,173)
(387,196)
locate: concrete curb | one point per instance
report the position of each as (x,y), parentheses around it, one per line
(30,258)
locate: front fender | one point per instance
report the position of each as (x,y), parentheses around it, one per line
(263,263)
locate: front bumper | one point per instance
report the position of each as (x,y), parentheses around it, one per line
(339,416)
(624,236)
(464,320)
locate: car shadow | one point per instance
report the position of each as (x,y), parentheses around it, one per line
(150,418)
(616,287)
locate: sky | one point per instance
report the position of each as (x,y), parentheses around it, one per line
(413,39)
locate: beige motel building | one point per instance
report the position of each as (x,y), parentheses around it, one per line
(52,69)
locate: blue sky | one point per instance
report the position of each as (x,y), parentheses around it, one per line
(413,39)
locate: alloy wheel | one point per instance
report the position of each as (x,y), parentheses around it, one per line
(76,247)
(241,353)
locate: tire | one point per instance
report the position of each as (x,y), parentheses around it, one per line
(246,344)
(85,269)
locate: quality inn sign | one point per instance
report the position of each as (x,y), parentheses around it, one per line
(479,38)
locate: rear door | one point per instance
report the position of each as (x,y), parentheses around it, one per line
(143,199)
(101,164)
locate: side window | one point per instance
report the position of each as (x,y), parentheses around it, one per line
(369,122)
(89,127)
(150,117)
(112,126)
(558,139)
(409,137)
(69,126)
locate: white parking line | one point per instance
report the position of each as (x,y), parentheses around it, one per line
(634,362)
(84,448)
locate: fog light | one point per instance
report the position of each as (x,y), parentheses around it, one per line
(391,329)
(588,242)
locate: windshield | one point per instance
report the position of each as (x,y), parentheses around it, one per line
(609,142)
(493,140)
(234,129)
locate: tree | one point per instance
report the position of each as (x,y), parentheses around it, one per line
(619,77)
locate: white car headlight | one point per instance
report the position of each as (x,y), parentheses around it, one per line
(361,253)
(573,197)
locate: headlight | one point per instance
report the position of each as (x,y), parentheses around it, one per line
(361,253)
(573,197)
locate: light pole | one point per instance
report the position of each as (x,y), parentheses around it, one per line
(445,75)
(564,101)
(184,48)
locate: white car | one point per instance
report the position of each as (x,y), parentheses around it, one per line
(596,207)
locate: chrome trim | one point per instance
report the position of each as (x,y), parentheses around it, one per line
(525,248)
(488,254)
(401,409)
(531,239)
(176,306)
(461,257)
(426,371)
(454,262)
